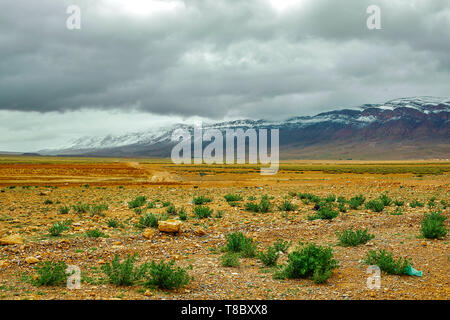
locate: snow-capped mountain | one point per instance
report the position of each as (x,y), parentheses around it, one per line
(415,127)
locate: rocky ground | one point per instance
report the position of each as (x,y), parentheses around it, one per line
(31,196)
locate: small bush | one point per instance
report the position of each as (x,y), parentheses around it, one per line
(113,223)
(416,203)
(138,202)
(125,273)
(399,203)
(63,210)
(238,242)
(331,198)
(80,208)
(269,257)
(433,226)
(325,213)
(150,220)
(310,261)
(287,206)
(98,209)
(385,200)
(263,206)
(375,205)
(201,200)
(167,276)
(203,212)
(230,259)
(50,273)
(48,201)
(182,214)
(355,202)
(95,233)
(57,229)
(342,207)
(386,262)
(233,197)
(150,205)
(397,212)
(350,238)
(171,210)
(282,246)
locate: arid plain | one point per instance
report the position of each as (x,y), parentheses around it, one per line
(38,192)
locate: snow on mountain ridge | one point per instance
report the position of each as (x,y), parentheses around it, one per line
(345,116)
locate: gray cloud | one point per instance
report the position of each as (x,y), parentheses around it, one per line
(221,58)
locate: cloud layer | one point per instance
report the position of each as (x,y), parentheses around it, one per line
(220,58)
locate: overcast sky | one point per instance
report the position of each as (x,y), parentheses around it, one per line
(137,64)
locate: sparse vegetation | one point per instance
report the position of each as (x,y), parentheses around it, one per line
(385,261)
(49,273)
(124,273)
(202,212)
(375,205)
(433,225)
(166,275)
(309,261)
(137,202)
(350,238)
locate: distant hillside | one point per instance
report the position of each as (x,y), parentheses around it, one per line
(405,128)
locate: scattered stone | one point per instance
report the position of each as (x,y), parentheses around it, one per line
(200,232)
(172,226)
(148,233)
(12,239)
(31,260)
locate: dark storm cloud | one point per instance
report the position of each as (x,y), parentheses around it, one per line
(221,57)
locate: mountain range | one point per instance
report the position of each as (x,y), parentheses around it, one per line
(404,128)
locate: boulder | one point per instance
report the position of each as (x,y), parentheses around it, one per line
(172,226)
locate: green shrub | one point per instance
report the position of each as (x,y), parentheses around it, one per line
(238,242)
(342,207)
(331,198)
(98,209)
(375,205)
(63,210)
(171,210)
(311,262)
(203,212)
(150,205)
(399,203)
(80,208)
(182,214)
(201,200)
(140,211)
(326,213)
(95,233)
(416,203)
(269,257)
(57,229)
(233,197)
(287,206)
(350,238)
(125,273)
(138,202)
(397,212)
(167,276)
(263,206)
(433,225)
(386,262)
(150,220)
(230,259)
(113,223)
(356,201)
(281,245)
(251,206)
(385,200)
(50,273)
(48,201)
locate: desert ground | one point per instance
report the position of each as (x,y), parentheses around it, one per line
(34,189)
